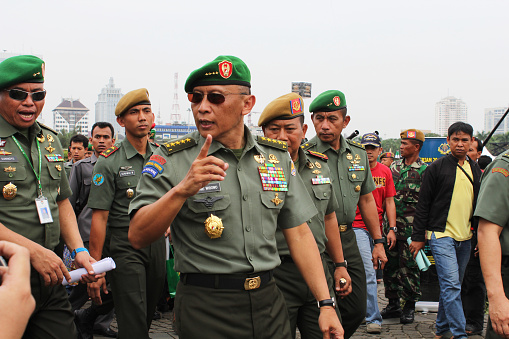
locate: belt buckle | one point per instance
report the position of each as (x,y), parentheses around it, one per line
(252,283)
(343,228)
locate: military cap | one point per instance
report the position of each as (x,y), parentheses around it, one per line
(19,69)
(285,107)
(371,139)
(328,101)
(412,134)
(387,155)
(131,99)
(224,70)
(90,147)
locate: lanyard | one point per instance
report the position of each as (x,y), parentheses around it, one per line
(38,176)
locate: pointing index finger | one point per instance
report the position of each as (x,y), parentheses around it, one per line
(205,148)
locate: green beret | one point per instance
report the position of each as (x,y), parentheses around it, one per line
(285,107)
(90,147)
(328,101)
(412,134)
(20,69)
(224,70)
(131,99)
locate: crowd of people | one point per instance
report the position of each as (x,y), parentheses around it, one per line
(271,233)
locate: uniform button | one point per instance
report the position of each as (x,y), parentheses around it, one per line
(341,178)
(309,221)
(344,195)
(239,169)
(248,229)
(250,258)
(244,197)
(128,183)
(324,194)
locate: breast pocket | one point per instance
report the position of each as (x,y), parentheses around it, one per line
(356,178)
(126,187)
(202,206)
(272,202)
(14,184)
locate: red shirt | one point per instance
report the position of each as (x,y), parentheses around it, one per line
(382,177)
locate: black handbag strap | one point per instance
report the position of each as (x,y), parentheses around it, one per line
(468,176)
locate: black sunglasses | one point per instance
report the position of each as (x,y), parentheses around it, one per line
(213,98)
(20,95)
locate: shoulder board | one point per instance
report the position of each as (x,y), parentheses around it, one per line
(46,127)
(109,151)
(307,146)
(282,145)
(354,143)
(318,155)
(178,145)
(506,155)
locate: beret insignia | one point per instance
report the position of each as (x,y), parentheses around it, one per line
(109,151)
(179,145)
(296,106)
(282,145)
(225,69)
(318,155)
(336,100)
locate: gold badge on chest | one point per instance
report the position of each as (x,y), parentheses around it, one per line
(273,159)
(9,191)
(129,193)
(276,200)
(259,159)
(213,227)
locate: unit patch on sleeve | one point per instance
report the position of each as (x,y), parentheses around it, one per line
(500,170)
(98,179)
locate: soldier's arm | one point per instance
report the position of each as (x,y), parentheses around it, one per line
(335,250)
(390,211)
(369,213)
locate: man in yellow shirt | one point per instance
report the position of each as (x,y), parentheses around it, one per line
(446,204)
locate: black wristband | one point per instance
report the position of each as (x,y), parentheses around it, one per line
(341,264)
(379,241)
(327,302)
(395,229)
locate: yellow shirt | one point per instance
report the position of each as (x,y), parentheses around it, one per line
(461,209)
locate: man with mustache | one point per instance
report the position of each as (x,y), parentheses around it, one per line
(138,280)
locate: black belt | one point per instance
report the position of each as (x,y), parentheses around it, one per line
(345,227)
(226,281)
(289,259)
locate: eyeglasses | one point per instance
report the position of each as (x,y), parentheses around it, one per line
(20,95)
(213,98)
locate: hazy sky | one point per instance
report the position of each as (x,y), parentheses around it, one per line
(393,59)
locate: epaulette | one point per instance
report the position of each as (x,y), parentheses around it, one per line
(307,146)
(318,155)
(506,155)
(178,145)
(109,151)
(282,145)
(354,143)
(48,128)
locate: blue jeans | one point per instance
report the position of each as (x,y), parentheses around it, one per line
(365,244)
(451,259)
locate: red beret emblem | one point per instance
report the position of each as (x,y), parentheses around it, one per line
(336,100)
(410,134)
(296,106)
(225,69)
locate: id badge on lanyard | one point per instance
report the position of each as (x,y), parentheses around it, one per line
(43,210)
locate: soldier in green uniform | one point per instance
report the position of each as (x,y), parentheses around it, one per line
(493,242)
(35,208)
(224,192)
(353,184)
(138,280)
(283,119)
(401,274)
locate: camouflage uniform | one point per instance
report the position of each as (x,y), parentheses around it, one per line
(401,274)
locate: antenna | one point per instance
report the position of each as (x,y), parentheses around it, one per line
(175,108)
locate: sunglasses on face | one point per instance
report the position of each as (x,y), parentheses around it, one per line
(20,95)
(213,98)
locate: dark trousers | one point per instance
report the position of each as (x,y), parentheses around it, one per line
(52,317)
(300,302)
(490,333)
(136,283)
(353,306)
(473,291)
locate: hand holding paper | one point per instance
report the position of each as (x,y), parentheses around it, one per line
(421,259)
(104,265)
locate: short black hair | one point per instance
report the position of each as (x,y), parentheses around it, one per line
(102,124)
(79,138)
(479,144)
(484,161)
(416,142)
(460,127)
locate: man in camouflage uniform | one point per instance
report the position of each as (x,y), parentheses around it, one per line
(401,274)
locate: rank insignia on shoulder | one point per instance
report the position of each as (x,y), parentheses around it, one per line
(178,145)
(109,151)
(318,155)
(355,143)
(272,142)
(500,170)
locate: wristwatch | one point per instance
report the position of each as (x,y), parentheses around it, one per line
(341,264)
(379,241)
(395,229)
(78,250)
(327,302)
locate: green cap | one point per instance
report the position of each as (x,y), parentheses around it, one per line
(285,107)
(20,69)
(328,101)
(224,70)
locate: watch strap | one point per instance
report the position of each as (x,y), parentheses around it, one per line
(327,302)
(341,264)
(379,241)
(78,250)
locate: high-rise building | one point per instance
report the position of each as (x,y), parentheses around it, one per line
(71,115)
(448,111)
(105,106)
(491,118)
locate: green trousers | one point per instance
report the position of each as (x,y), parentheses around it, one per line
(202,312)
(302,308)
(353,306)
(136,283)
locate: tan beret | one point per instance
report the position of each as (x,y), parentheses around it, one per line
(412,134)
(285,107)
(133,98)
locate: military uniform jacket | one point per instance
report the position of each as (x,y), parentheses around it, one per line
(80,181)
(20,213)
(249,214)
(114,181)
(493,199)
(351,176)
(407,181)
(316,176)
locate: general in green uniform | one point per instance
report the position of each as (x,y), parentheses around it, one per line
(224,193)
(352,184)
(138,279)
(493,241)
